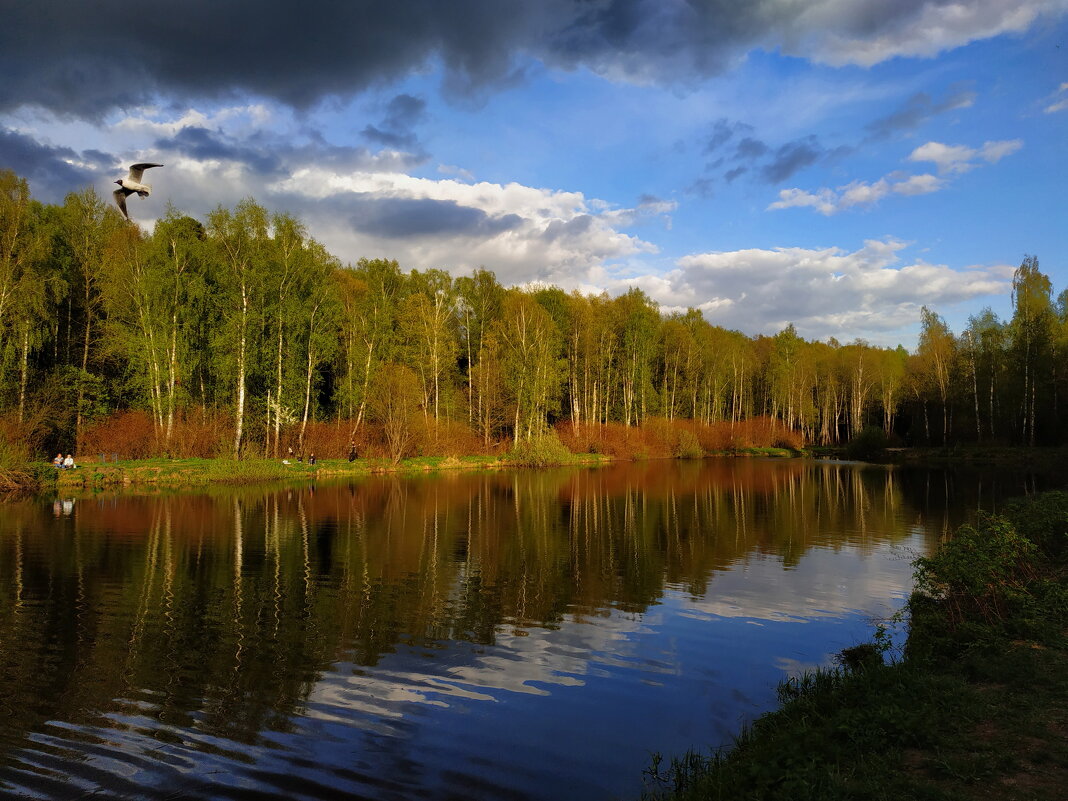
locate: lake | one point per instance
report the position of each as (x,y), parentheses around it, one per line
(496,635)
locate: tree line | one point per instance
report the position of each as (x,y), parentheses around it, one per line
(246,317)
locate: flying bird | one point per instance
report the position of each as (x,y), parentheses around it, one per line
(132,183)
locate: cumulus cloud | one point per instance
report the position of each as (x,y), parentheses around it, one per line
(857,193)
(88,58)
(525,233)
(950,159)
(959,158)
(869,292)
(52,171)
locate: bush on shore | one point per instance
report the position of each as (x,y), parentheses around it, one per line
(868,445)
(543,450)
(658,437)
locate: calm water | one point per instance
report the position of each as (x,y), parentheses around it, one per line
(528,635)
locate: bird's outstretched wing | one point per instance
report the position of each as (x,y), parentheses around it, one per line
(120,199)
(137,170)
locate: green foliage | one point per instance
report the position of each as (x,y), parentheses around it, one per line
(688,446)
(983,578)
(869,445)
(541,450)
(1043,520)
(244,314)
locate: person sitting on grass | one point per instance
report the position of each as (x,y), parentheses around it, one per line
(58,461)
(68,463)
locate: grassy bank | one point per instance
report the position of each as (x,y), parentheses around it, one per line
(545,451)
(976,706)
(197,472)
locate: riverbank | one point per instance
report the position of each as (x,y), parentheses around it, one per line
(974,707)
(199,472)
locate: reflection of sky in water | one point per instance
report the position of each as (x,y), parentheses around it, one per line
(530,635)
(595,698)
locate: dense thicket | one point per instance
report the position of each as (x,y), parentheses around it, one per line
(247,321)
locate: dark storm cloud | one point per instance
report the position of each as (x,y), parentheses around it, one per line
(46,167)
(202,144)
(723,131)
(403,113)
(405,217)
(918,109)
(791,157)
(270,156)
(737,172)
(743,152)
(85,58)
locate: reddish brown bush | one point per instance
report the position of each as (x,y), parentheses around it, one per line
(331,440)
(130,434)
(659,437)
(202,434)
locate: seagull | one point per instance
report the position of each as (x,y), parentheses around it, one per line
(132,183)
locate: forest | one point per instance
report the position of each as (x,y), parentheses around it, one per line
(241,335)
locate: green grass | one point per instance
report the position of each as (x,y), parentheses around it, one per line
(975,708)
(197,472)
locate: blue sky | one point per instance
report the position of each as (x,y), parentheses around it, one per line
(835,164)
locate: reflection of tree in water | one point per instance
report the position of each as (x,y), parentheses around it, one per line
(219,613)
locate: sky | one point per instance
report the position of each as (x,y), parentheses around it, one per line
(834,164)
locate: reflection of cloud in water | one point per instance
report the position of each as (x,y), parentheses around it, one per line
(529,664)
(825,583)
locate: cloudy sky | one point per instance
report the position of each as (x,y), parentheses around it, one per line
(831,163)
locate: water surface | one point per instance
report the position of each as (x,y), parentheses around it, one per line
(527,635)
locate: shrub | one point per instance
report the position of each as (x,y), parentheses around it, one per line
(869,444)
(540,451)
(130,434)
(687,445)
(985,573)
(1042,519)
(14,470)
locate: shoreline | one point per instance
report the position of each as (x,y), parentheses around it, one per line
(44,478)
(973,707)
(200,472)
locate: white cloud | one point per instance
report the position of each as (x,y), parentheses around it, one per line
(1058,105)
(950,160)
(857,193)
(959,158)
(840,32)
(828,292)
(825,201)
(919,185)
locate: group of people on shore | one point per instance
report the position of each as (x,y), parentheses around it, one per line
(312,460)
(300,458)
(64,462)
